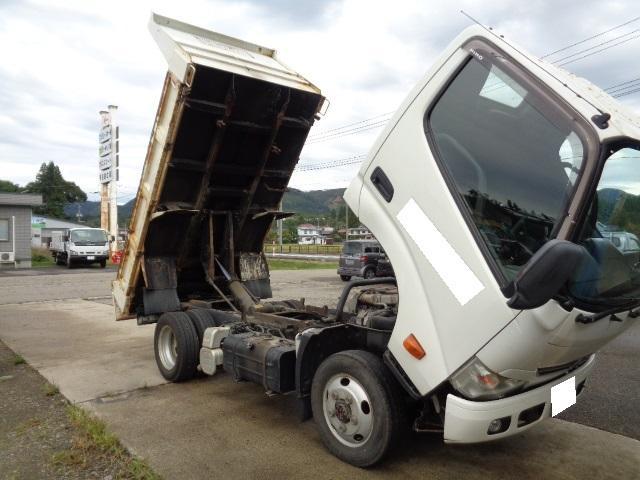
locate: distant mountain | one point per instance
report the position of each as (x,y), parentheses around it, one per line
(91,209)
(619,210)
(312,202)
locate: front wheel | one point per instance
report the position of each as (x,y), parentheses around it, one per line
(357,406)
(103,263)
(369,273)
(176,346)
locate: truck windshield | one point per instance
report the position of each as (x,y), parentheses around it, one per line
(611,274)
(512,157)
(88,237)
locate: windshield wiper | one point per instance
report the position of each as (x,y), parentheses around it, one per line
(611,312)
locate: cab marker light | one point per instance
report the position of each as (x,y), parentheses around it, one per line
(412,345)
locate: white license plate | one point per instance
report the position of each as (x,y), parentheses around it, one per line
(563,396)
(349,262)
(90,257)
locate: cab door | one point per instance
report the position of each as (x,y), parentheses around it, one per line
(466,183)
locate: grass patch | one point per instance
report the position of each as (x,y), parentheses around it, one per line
(41,257)
(50,389)
(284,264)
(92,436)
(19,360)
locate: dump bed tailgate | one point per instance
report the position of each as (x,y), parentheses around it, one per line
(230,126)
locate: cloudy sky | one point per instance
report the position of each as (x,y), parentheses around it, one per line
(62,64)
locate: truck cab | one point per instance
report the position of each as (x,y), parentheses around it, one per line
(486,190)
(77,246)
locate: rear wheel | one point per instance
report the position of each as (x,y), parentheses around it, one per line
(176,346)
(201,320)
(357,406)
(345,278)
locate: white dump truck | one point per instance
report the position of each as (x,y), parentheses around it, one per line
(76,246)
(485,189)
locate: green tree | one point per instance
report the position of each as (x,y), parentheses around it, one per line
(9,187)
(55,190)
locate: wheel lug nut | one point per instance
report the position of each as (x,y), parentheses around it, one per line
(349,400)
(342,428)
(334,395)
(354,421)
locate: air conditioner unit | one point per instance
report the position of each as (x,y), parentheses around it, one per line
(7,257)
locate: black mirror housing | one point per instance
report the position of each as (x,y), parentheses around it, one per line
(546,272)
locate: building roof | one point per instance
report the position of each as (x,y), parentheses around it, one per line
(307,225)
(21,199)
(48,222)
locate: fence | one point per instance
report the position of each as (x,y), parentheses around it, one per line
(304,249)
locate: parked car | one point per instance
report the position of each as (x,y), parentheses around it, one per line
(360,258)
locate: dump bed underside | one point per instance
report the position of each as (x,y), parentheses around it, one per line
(222,152)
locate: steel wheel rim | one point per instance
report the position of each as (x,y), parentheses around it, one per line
(167,347)
(347,410)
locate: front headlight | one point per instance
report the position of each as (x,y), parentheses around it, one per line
(475,381)
(73,252)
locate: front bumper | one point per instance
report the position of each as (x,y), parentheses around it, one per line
(84,258)
(468,422)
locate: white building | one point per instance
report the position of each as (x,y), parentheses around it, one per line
(360,233)
(314,235)
(42,229)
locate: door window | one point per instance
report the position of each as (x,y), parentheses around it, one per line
(513,165)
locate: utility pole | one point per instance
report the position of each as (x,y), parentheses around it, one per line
(346,231)
(108,152)
(280,227)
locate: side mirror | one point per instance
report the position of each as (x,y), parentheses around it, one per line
(546,272)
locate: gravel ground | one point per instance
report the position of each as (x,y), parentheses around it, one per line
(37,438)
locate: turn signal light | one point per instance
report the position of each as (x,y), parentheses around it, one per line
(412,345)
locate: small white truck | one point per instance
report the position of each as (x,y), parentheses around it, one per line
(76,246)
(485,189)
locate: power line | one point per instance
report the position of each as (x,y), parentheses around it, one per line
(331,163)
(598,51)
(623,83)
(596,46)
(323,133)
(592,37)
(352,131)
(626,93)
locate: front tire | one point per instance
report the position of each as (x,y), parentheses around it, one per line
(176,347)
(357,406)
(369,273)
(103,263)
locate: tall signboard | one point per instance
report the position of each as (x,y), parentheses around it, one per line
(108,162)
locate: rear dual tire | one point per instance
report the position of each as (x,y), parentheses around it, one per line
(177,341)
(176,347)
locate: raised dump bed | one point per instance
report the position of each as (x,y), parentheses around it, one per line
(228,133)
